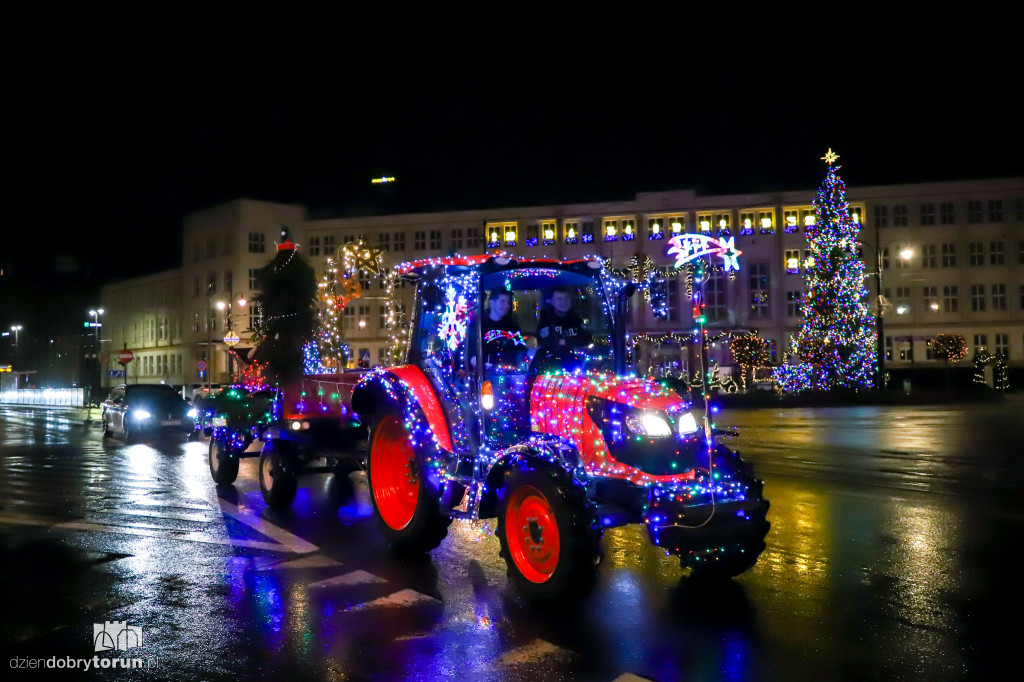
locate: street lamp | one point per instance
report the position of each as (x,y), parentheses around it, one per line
(16,328)
(230,337)
(905,254)
(95,314)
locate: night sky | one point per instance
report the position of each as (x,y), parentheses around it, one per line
(113,135)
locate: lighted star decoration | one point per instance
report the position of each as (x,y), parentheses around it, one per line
(688,247)
(830,157)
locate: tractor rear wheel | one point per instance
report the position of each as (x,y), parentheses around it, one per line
(223,463)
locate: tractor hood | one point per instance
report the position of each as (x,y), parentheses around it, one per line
(623,427)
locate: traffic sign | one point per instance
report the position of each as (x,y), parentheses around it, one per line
(125,355)
(201,365)
(115,373)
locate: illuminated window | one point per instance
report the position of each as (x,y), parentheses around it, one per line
(510,234)
(587,235)
(704,223)
(677,224)
(611,230)
(808,218)
(792,261)
(549,232)
(723,222)
(791,220)
(655,228)
(572,232)
(493,237)
(628,230)
(747,223)
(766,222)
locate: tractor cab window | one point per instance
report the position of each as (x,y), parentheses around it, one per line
(559,321)
(444,317)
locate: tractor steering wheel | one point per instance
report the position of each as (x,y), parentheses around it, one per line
(548,358)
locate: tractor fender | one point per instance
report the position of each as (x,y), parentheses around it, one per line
(408,387)
(546,451)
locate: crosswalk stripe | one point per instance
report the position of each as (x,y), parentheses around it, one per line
(402,598)
(293,542)
(630,677)
(353,578)
(317,561)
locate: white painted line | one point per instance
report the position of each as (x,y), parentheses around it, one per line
(532,652)
(201,518)
(630,677)
(293,542)
(318,561)
(353,578)
(402,598)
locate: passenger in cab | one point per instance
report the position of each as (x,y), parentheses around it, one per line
(559,328)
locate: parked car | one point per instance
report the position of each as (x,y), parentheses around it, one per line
(140,410)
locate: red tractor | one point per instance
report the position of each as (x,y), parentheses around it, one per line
(514,403)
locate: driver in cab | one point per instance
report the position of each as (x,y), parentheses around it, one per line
(559,328)
(500,330)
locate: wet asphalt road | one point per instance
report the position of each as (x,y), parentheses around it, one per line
(893,554)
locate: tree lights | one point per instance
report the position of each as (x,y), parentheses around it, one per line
(836,341)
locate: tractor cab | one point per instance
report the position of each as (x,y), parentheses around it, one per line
(486,328)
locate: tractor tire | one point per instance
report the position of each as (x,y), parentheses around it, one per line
(409,513)
(223,463)
(548,534)
(279,479)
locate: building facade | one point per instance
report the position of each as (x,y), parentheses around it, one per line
(949,258)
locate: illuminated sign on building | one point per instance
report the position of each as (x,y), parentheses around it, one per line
(688,247)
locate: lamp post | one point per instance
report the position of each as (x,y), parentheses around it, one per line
(96,324)
(905,254)
(16,328)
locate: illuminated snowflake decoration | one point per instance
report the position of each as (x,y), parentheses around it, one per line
(455,319)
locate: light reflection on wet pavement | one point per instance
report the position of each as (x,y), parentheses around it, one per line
(882,573)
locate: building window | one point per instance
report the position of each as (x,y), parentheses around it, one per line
(211,248)
(330,243)
(532,234)
(950,299)
(947,213)
(211,282)
(809,218)
(549,232)
(906,348)
(978,298)
(419,240)
(676,225)
(766,222)
(723,221)
(793,299)
(974,211)
(790,221)
(474,238)
(628,230)
(195,252)
(435,239)
(398,242)
(949,255)
(882,216)
(384,241)
(255,316)
(611,230)
(655,228)
(257,242)
(995,210)
(1003,345)
(510,234)
(899,215)
(888,348)
(976,251)
(348,318)
(758,279)
(746,223)
(672,303)
(931,298)
(998,297)
(457,239)
(995,253)
(587,235)
(196,291)
(927,214)
(254,278)
(792,261)
(980,341)
(903,300)
(929,256)
(228,282)
(714,297)
(314,246)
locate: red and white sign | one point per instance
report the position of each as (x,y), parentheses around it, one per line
(125,356)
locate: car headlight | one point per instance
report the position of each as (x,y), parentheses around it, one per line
(647,424)
(687,424)
(141,414)
(193,413)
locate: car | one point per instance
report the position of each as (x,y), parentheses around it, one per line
(138,410)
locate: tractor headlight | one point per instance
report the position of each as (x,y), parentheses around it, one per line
(193,413)
(141,415)
(647,424)
(687,424)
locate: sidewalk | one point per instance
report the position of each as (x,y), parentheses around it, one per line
(85,415)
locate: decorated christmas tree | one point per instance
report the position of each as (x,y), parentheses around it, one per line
(836,342)
(288,301)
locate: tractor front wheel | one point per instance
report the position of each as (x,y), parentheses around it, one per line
(223,462)
(279,480)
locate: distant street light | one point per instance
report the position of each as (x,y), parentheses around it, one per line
(16,328)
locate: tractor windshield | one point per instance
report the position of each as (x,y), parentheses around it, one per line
(538,319)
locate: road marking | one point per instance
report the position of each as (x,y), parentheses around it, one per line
(532,652)
(630,677)
(293,542)
(353,578)
(318,561)
(402,598)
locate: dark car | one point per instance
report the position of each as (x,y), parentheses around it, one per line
(145,409)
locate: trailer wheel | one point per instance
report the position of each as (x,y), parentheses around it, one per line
(223,463)
(409,513)
(279,478)
(548,534)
